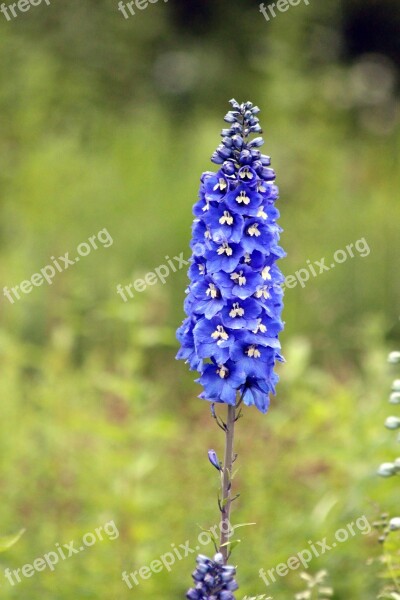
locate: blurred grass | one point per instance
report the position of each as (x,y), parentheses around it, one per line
(98,421)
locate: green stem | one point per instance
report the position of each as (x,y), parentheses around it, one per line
(226,478)
(390,569)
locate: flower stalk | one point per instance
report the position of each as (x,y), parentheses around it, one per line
(226,480)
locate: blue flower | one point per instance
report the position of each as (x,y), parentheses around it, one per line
(224,256)
(222,381)
(242,283)
(207,297)
(234,299)
(212,339)
(240,314)
(213,580)
(244,200)
(224,225)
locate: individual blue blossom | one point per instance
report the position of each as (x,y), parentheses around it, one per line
(242,283)
(234,299)
(240,314)
(213,340)
(213,580)
(224,224)
(207,297)
(221,381)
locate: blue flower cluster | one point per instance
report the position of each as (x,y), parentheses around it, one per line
(234,300)
(213,580)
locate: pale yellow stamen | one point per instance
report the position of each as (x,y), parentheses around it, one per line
(242,198)
(246,173)
(247,258)
(253,352)
(225,249)
(260,327)
(261,188)
(265,273)
(236,311)
(226,218)
(261,213)
(223,372)
(253,230)
(221,185)
(212,291)
(202,269)
(262,293)
(220,333)
(239,278)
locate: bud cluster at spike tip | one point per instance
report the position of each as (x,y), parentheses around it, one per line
(234,300)
(213,580)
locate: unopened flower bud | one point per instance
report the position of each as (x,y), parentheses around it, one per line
(213,458)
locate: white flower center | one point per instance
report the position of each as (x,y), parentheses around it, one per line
(221,185)
(262,293)
(237,311)
(243,198)
(226,218)
(239,278)
(225,249)
(261,213)
(245,174)
(212,291)
(260,327)
(220,334)
(253,230)
(265,273)
(253,352)
(223,371)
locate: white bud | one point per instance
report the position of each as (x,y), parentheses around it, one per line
(394,357)
(394,524)
(394,398)
(387,470)
(392,423)
(396,385)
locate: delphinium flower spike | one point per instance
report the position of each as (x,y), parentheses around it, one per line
(213,579)
(234,299)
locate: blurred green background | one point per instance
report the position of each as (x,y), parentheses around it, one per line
(108,122)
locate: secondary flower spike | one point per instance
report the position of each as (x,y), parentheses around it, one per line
(213,579)
(234,300)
